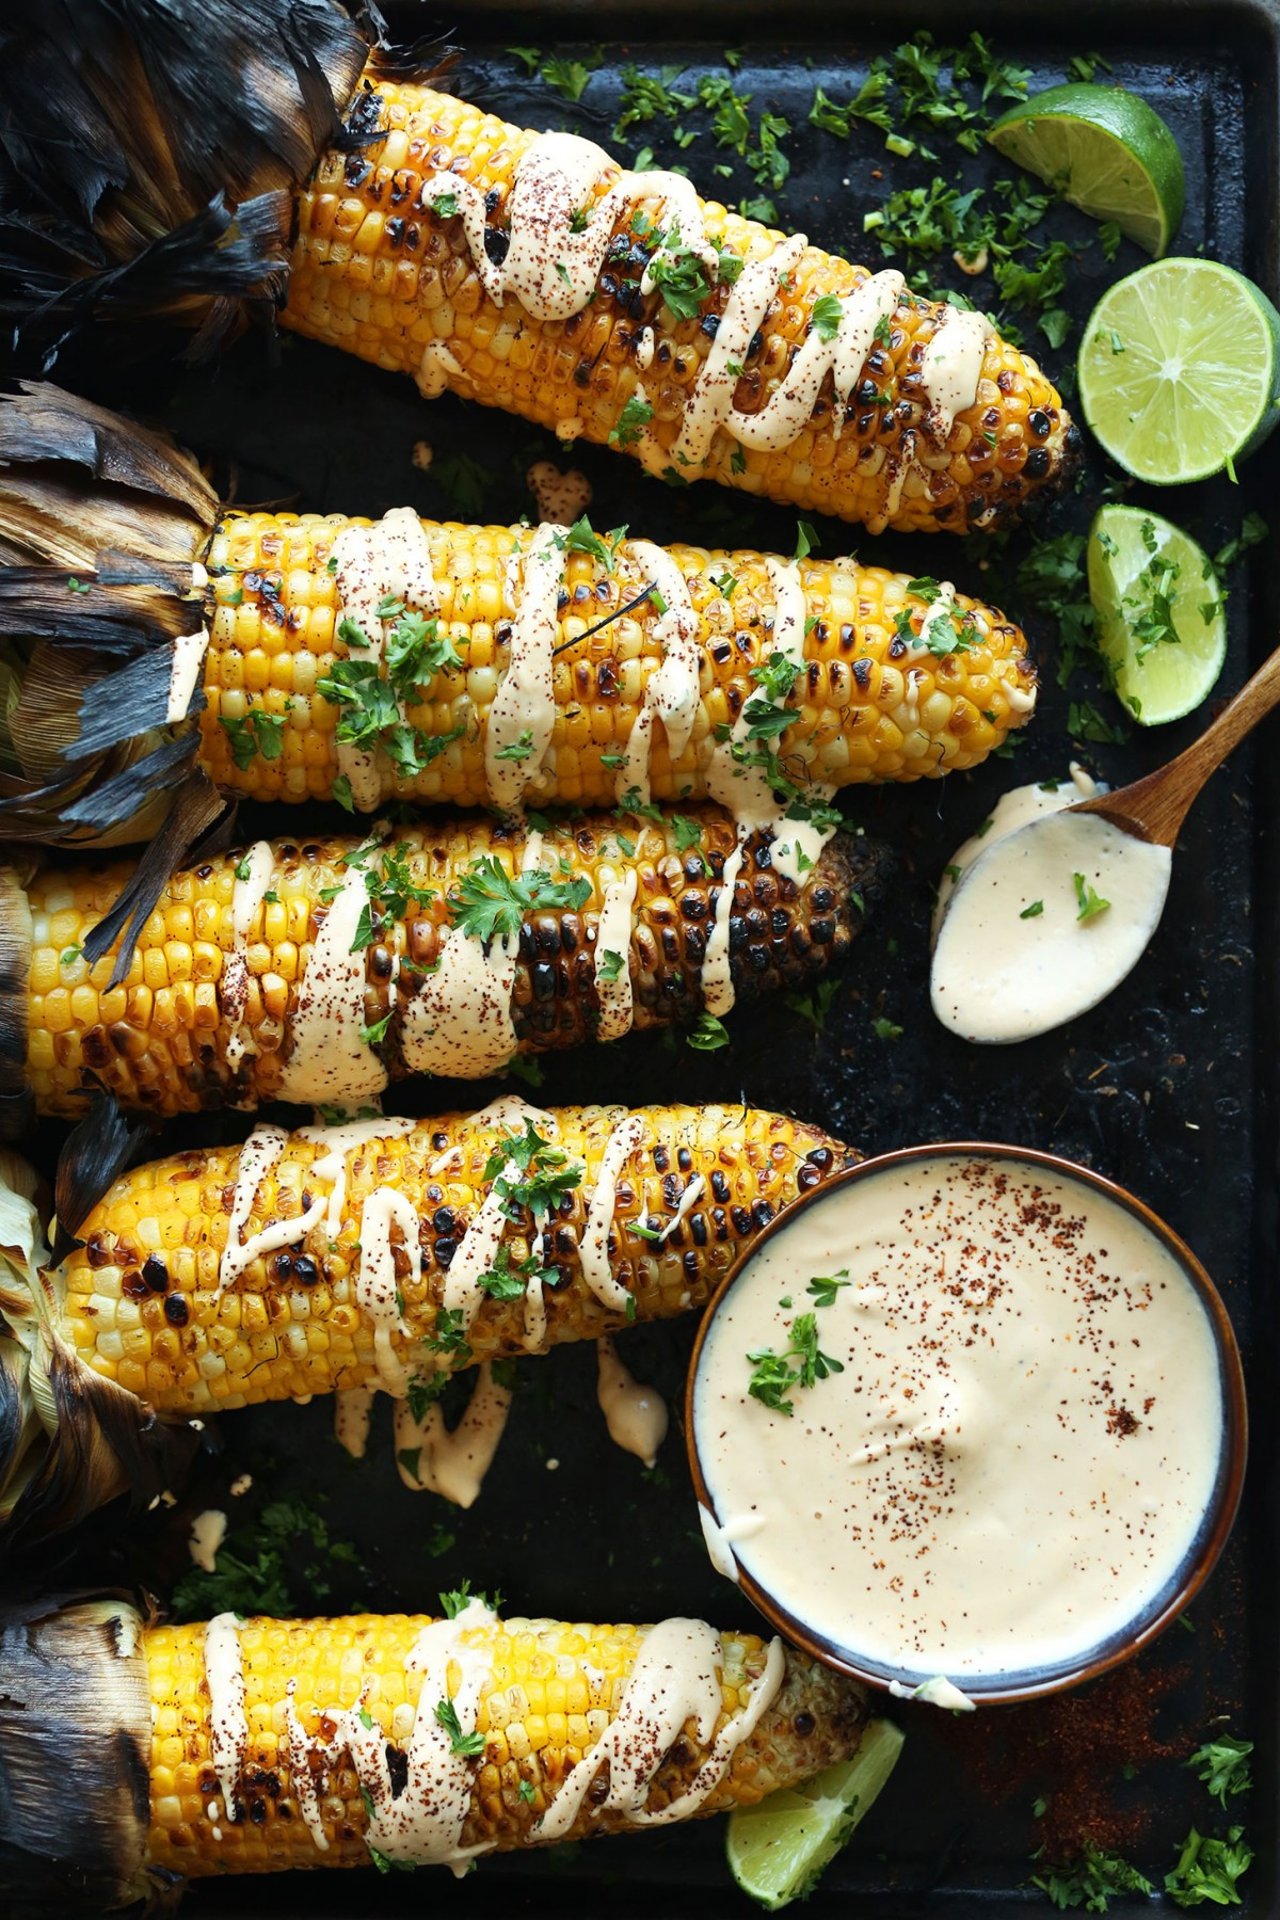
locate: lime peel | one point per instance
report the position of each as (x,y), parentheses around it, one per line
(1106,151)
(777,1850)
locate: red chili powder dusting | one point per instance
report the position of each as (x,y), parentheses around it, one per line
(1072,1750)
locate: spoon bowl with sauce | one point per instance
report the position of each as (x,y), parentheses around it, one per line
(968,1423)
(1053,903)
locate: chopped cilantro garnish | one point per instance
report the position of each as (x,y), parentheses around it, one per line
(801,1364)
(489,902)
(1091,903)
(632,421)
(828,312)
(469,1744)
(610,965)
(707,1034)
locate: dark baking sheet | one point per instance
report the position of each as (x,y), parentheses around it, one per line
(1168,1087)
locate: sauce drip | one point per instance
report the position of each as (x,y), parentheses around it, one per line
(612,960)
(635,1415)
(1018,1454)
(672,689)
(522,713)
(593,1252)
(228,1722)
(431,1459)
(951,368)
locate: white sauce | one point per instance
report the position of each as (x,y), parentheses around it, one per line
(1013,957)
(938,1692)
(672,690)
(352,1416)
(745,789)
(613,944)
(208,1531)
(1012,810)
(688,1201)
(431,1459)
(1016,1459)
(246,904)
(635,1415)
(952,367)
(561,496)
(522,713)
(719,1551)
(677,1677)
(593,1252)
(438,369)
(390,559)
(717,972)
(228,1721)
(377,1293)
(258,1157)
(422,1825)
(189,650)
(329,1063)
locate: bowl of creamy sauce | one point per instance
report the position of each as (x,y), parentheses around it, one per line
(968,1422)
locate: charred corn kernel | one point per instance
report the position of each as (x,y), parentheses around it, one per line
(878,461)
(278,563)
(184,1783)
(283,1329)
(164,1042)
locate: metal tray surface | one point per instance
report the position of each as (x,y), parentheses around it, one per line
(1168,1087)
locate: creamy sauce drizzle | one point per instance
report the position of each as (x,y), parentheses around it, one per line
(745,790)
(329,1064)
(1017,1457)
(228,1721)
(717,973)
(561,496)
(523,710)
(672,689)
(1046,918)
(431,1459)
(389,560)
(189,650)
(208,1531)
(593,1253)
(952,367)
(636,1415)
(352,1416)
(677,1678)
(613,945)
(246,904)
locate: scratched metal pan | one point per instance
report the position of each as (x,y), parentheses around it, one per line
(1169,1086)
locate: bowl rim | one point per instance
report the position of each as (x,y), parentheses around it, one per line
(1220,1512)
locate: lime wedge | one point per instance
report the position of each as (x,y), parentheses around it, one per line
(1179,369)
(1161,623)
(1106,151)
(777,1850)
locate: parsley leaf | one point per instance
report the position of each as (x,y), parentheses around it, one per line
(1091,1880)
(610,965)
(815,1005)
(1091,903)
(489,902)
(775,1375)
(469,1744)
(631,422)
(1208,1870)
(1223,1766)
(569,77)
(828,312)
(707,1034)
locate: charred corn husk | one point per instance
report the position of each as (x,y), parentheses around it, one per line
(264,1745)
(525,271)
(522,270)
(644,658)
(355,1257)
(316,971)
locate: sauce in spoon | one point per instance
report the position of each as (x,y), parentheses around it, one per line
(1042,914)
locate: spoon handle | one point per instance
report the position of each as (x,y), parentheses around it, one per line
(1160,802)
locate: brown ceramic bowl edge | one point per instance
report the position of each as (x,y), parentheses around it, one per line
(1220,1514)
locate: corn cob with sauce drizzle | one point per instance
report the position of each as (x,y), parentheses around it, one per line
(256,1746)
(525,271)
(315,971)
(321,656)
(383,1254)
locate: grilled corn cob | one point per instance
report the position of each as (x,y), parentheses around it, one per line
(182,1299)
(435,238)
(146,1722)
(649,656)
(386,266)
(338,978)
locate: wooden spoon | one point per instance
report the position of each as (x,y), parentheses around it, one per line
(1155,807)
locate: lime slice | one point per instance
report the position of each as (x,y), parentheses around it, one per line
(1161,622)
(777,1850)
(1179,370)
(1106,151)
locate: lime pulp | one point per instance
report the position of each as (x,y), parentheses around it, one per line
(1161,622)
